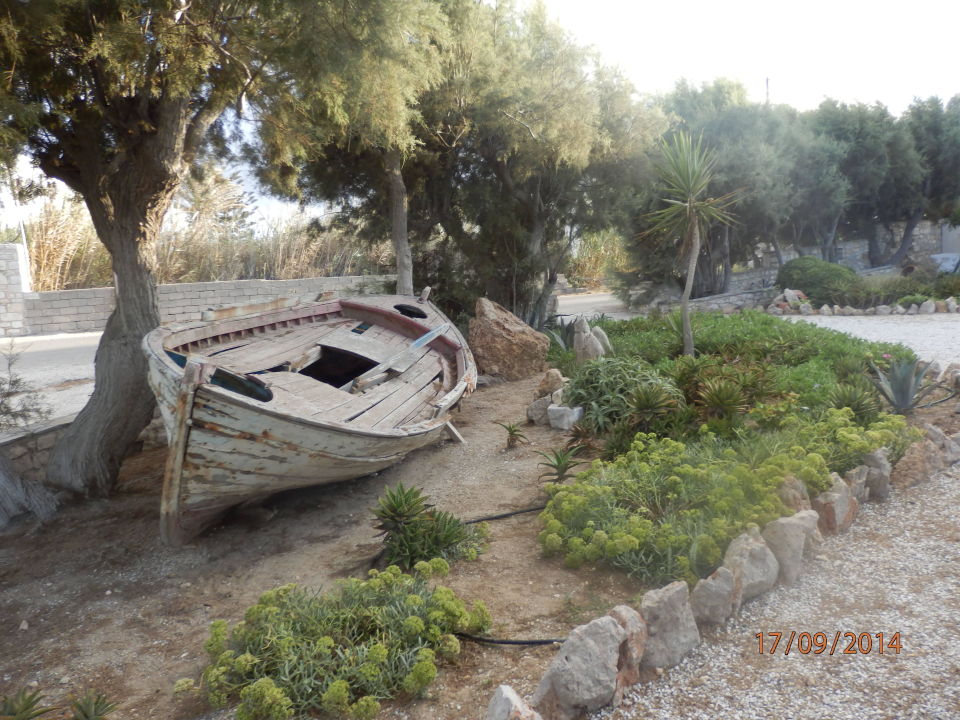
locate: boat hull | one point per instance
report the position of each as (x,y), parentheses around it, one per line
(228,450)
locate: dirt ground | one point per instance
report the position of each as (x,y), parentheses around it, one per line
(93,600)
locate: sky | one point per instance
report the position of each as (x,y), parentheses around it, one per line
(850,50)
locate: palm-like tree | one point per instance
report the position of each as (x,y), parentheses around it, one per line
(685,171)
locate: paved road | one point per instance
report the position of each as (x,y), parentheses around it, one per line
(59,366)
(594,303)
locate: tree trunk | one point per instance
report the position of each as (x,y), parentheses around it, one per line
(87,457)
(18,496)
(688,288)
(727,265)
(398,223)
(906,240)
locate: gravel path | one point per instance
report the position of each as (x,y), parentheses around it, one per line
(932,337)
(896,570)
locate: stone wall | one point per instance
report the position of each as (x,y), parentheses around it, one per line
(28,449)
(61,311)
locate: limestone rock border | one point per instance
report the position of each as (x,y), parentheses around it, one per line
(623,641)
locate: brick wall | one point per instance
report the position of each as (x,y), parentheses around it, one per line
(63,311)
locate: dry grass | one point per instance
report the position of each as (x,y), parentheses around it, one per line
(208,236)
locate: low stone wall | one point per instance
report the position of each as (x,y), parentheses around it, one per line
(86,310)
(29,449)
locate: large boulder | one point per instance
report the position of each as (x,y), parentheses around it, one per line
(583,676)
(793,493)
(786,537)
(506,704)
(671,628)
(754,566)
(537,410)
(878,474)
(504,345)
(600,335)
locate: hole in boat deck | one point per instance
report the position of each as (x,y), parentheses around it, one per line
(337,367)
(411,311)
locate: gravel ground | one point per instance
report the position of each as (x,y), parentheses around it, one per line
(932,337)
(896,570)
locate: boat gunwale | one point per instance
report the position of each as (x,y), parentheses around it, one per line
(154,343)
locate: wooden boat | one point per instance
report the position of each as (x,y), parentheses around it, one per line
(288,394)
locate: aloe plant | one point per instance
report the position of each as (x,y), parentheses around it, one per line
(514,434)
(92,706)
(902,385)
(23,705)
(559,463)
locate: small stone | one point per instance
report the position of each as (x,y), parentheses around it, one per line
(806,309)
(506,704)
(754,567)
(825,310)
(851,311)
(927,307)
(537,411)
(837,310)
(714,599)
(562,417)
(856,480)
(899,310)
(870,311)
(786,539)
(631,650)
(583,676)
(913,309)
(672,629)
(793,493)
(878,474)
(65,679)
(109,592)
(24,625)
(836,507)
(551,382)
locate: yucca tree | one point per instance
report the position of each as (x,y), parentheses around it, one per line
(685,171)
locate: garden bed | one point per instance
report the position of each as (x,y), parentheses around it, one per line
(101,603)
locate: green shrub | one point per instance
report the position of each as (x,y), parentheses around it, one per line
(947,285)
(667,510)
(823,282)
(882,290)
(298,653)
(913,299)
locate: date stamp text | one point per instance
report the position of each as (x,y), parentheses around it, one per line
(818,643)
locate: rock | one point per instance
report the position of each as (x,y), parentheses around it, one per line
(24,625)
(507,705)
(921,460)
(806,309)
(631,650)
(948,447)
(951,304)
(851,311)
(825,310)
(557,397)
(583,676)
(927,307)
(714,597)
(672,630)
(913,309)
(786,537)
(585,343)
(503,344)
(600,335)
(856,480)
(793,493)
(754,567)
(810,521)
(899,310)
(488,380)
(537,411)
(836,507)
(878,474)
(791,296)
(939,305)
(837,310)
(551,382)
(562,417)
(883,310)
(774,310)
(870,311)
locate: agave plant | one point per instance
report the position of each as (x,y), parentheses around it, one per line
(92,706)
(902,385)
(581,435)
(650,402)
(722,399)
(559,463)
